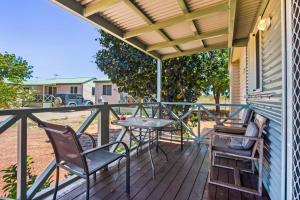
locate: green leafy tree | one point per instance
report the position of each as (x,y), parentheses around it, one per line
(216,74)
(13,71)
(135,72)
(10,179)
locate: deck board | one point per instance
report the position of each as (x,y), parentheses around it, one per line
(184,176)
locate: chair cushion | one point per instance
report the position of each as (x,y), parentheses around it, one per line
(251,131)
(236,143)
(230,129)
(100,158)
(246,116)
(95,161)
(222,144)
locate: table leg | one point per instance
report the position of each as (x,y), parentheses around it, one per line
(159,147)
(150,154)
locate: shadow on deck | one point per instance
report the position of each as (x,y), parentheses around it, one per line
(184,176)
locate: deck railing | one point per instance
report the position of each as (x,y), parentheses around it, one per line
(103,112)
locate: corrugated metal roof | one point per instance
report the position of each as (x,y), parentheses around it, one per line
(159,10)
(60,81)
(212,22)
(147,22)
(196,4)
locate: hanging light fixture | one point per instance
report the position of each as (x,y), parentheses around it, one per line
(264,24)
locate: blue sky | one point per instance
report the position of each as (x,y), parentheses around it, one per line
(51,39)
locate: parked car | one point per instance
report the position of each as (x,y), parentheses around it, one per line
(71,100)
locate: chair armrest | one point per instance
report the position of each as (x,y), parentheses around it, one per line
(236,123)
(90,136)
(234,136)
(107,145)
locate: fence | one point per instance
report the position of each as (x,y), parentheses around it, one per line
(102,112)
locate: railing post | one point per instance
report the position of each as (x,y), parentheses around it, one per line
(22,158)
(103,125)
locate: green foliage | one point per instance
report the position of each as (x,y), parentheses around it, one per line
(13,71)
(133,71)
(216,73)
(10,179)
(183,78)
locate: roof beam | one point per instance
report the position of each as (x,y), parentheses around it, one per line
(99,6)
(140,13)
(185,10)
(231,21)
(194,51)
(240,42)
(187,39)
(169,22)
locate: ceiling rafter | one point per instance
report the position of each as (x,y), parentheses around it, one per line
(186,17)
(140,13)
(182,4)
(183,40)
(99,6)
(231,22)
(194,51)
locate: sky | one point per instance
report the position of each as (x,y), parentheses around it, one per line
(51,39)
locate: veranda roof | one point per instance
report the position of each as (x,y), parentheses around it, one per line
(172,28)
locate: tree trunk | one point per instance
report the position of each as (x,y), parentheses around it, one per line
(217,101)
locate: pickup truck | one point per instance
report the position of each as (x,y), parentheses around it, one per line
(71,100)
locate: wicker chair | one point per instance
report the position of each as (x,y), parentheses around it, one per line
(235,127)
(70,156)
(247,147)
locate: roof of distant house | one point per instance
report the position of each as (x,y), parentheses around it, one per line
(60,81)
(102,80)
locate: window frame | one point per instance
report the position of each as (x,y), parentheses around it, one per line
(105,90)
(93,91)
(258,83)
(74,90)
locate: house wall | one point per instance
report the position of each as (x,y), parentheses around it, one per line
(234,76)
(268,101)
(114,98)
(87,90)
(66,89)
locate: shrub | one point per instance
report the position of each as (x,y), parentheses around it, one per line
(10,179)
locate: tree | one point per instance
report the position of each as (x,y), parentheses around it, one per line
(132,70)
(13,71)
(216,73)
(135,72)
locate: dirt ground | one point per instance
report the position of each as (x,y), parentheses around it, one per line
(39,147)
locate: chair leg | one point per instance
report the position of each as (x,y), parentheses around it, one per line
(56,183)
(95,177)
(181,139)
(87,188)
(128,174)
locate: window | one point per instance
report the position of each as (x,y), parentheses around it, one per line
(93,91)
(73,89)
(107,90)
(52,90)
(258,68)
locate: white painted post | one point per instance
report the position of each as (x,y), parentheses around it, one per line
(158,86)
(22,158)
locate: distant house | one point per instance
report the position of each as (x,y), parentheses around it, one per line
(82,85)
(106,91)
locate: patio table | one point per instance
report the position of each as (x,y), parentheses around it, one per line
(148,124)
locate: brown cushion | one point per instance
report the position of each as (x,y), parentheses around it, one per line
(252,131)
(222,144)
(229,129)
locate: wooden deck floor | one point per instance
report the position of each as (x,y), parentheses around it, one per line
(183,177)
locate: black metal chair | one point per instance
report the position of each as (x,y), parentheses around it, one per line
(165,113)
(70,156)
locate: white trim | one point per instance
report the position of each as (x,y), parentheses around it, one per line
(158,89)
(289,97)
(284,103)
